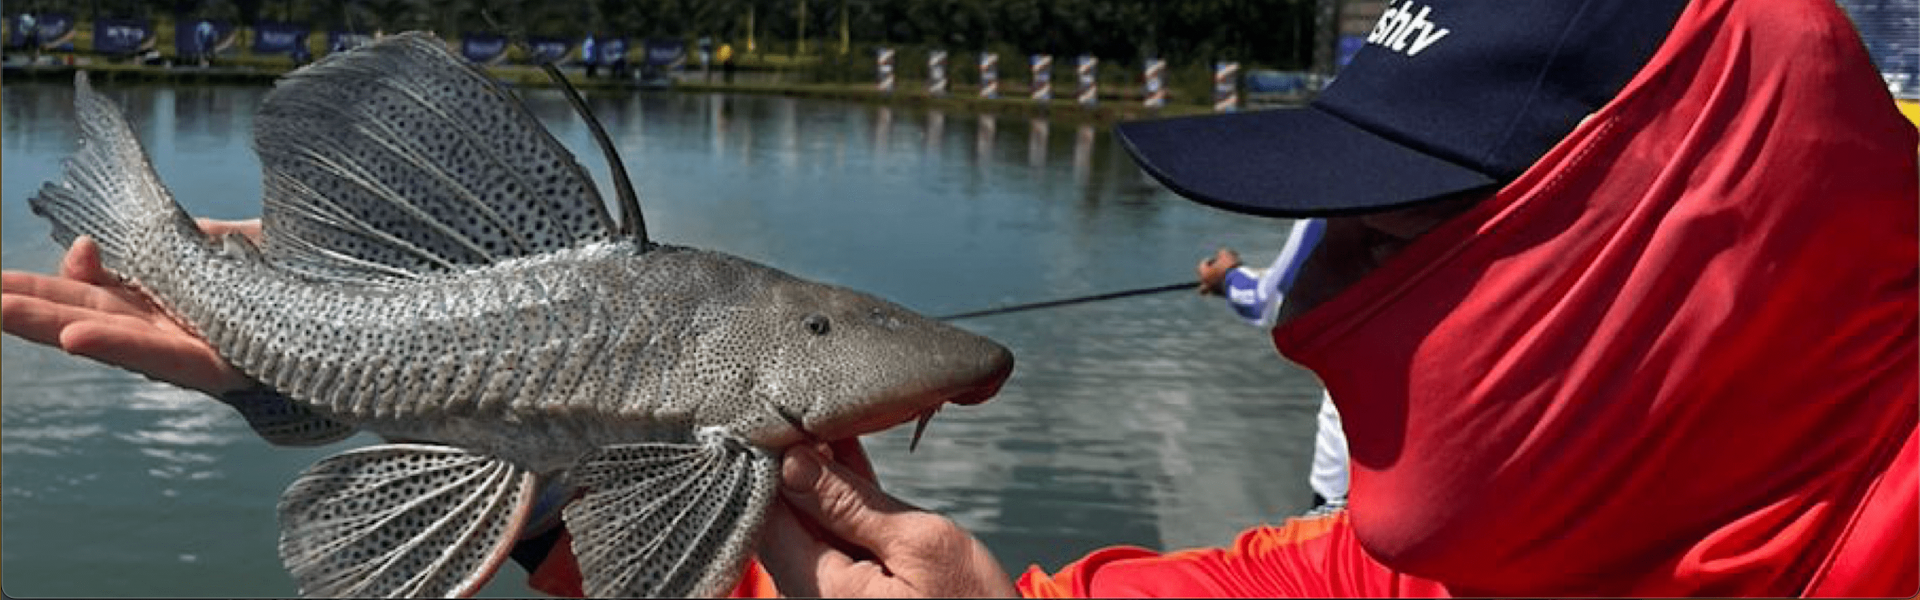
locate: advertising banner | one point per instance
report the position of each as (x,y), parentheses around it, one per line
(121,36)
(546,49)
(665,52)
(270,37)
(50,30)
(484,48)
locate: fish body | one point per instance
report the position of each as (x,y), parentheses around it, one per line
(435,268)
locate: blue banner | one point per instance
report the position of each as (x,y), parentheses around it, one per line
(545,49)
(121,36)
(53,31)
(201,37)
(279,38)
(341,40)
(665,51)
(483,48)
(612,50)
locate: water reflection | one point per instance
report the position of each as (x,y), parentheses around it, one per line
(882,132)
(1083,137)
(984,130)
(1156,421)
(1037,132)
(936,131)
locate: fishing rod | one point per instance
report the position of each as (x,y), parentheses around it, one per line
(1011,308)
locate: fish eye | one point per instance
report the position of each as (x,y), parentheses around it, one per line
(817,324)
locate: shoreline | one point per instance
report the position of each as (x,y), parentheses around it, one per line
(1109,110)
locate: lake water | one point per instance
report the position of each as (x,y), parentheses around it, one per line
(1156,420)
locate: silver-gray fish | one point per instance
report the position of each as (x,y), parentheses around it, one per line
(435,267)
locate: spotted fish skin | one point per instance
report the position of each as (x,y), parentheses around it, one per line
(664,342)
(436,268)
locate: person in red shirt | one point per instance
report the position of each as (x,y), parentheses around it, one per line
(1616,298)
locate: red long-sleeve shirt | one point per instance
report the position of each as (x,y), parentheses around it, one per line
(1675,357)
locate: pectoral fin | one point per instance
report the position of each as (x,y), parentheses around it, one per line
(669,520)
(402,520)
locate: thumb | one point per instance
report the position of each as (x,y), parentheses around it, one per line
(82,263)
(848,506)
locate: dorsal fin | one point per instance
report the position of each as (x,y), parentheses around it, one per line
(632,223)
(399,159)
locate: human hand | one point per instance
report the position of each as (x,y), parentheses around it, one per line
(1213,271)
(88,311)
(834,533)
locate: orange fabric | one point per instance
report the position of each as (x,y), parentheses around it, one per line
(755,584)
(1076,579)
(1312,558)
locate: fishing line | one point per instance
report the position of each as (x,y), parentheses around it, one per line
(1302,238)
(1012,308)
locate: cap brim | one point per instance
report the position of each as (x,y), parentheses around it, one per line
(1301,162)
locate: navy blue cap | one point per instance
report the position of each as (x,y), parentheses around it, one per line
(1446,97)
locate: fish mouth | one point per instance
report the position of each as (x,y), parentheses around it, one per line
(965,397)
(797,424)
(979,393)
(923,407)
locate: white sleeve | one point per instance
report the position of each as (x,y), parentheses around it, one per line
(1278,278)
(1329,473)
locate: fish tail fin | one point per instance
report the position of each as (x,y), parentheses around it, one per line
(402,520)
(109,190)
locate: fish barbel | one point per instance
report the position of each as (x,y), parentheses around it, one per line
(435,267)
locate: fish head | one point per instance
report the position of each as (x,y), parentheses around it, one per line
(839,363)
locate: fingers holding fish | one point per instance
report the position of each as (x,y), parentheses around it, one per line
(88,311)
(70,292)
(174,356)
(850,454)
(82,260)
(166,353)
(217,228)
(35,319)
(799,562)
(110,324)
(82,263)
(819,538)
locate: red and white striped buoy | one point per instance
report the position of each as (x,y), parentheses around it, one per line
(1226,88)
(1041,65)
(885,60)
(1089,84)
(1156,83)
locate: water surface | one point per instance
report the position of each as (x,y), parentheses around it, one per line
(1159,421)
